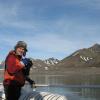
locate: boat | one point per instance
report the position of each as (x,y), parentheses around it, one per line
(28,93)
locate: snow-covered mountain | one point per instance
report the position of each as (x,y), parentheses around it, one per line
(51,61)
(44,65)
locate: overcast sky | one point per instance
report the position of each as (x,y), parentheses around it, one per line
(51,28)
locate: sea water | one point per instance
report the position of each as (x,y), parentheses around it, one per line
(74,88)
(83,87)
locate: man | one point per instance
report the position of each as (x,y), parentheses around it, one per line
(14,76)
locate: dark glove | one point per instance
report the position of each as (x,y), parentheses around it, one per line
(27,62)
(33,85)
(31,82)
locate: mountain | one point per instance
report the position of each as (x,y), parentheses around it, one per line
(43,65)
(83,58)
(51,61)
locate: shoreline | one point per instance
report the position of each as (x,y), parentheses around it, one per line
(69,71)
(62,72)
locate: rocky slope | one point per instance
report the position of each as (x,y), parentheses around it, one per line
(83,58)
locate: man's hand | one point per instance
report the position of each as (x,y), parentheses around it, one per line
(33,85)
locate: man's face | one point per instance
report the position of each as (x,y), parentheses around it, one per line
(20,51)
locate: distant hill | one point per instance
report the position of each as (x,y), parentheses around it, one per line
(83,58)
(51,61)
(44,65)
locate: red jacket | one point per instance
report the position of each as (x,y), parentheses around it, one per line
(14,69)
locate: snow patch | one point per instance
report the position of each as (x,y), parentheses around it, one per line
(85,58)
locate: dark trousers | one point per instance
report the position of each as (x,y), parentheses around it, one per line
(12,92)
